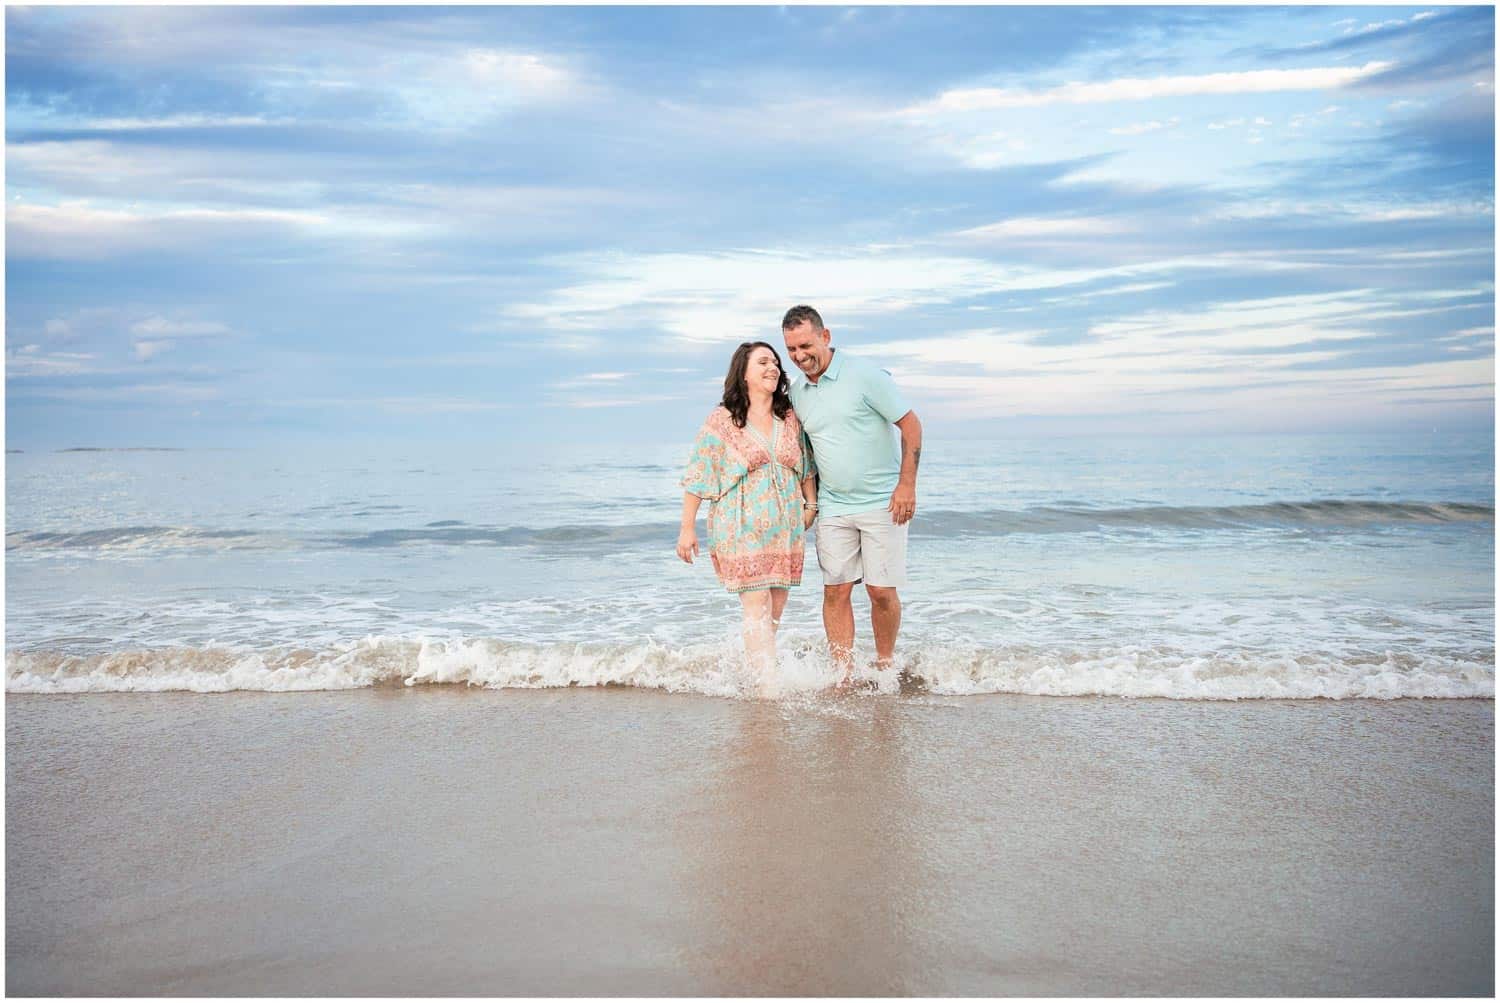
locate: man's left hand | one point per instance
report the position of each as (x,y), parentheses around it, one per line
(903,503)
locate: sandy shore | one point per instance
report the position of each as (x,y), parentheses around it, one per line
(619,842)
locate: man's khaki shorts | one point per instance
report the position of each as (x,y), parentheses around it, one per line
(864,547)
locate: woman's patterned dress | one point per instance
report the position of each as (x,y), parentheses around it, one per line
(754,522)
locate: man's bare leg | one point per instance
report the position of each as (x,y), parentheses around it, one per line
(838,624)
(885,619)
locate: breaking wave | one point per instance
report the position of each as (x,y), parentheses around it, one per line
(714,670)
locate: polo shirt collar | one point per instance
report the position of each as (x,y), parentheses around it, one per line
(832,372)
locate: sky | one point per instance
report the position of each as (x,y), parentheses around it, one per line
(257,226)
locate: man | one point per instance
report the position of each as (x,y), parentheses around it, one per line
(867,490)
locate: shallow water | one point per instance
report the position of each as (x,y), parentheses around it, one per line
(1332,566)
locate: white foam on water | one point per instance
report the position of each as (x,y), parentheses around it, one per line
(715,670)
(1227,675)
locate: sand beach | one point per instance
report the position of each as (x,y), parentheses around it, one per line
(613,841)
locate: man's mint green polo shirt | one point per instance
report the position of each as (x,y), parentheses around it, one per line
(848,415)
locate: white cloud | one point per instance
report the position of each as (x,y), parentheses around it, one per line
(157,334)
(1044,226)
(526,72)
(178,122)
(397,405)
(1223,357)
(161,327)
(713,298)
(1146,88)
(437,405)
(155,392)
(125,174)
(464,90)
(80,230)
(30,360)
(1139,128)
(1358,210)
(1262,323)
(1129,287)
(592,381)
(589,402)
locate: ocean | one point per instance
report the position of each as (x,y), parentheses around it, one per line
(1204,568)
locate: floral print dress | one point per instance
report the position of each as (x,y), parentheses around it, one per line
(753,487)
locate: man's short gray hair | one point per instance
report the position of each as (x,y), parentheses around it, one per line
(797,314)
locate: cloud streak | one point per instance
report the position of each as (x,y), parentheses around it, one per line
(974,99)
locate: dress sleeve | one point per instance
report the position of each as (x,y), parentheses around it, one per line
(708,473)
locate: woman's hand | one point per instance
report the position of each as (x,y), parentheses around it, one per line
(687,544)
(809,516)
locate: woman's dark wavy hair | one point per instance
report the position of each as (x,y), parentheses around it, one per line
(737,396)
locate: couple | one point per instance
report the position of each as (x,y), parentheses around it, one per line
(772,459)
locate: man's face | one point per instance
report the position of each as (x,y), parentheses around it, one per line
(809,348)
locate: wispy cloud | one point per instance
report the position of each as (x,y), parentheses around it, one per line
(1260,349)
(1140,128)
(34,360)
(160,327)
(1046,226)
(85,231)
(973,99)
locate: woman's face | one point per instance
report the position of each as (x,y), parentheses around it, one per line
(762,370)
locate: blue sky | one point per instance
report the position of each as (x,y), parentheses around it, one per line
(261,225)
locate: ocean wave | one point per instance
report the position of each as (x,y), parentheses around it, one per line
(714,670)
(1330,515)
(136,538)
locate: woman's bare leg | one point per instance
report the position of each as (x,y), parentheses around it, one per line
(760,640)
(778,603)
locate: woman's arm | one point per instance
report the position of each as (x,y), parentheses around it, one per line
(687,536)
(809,500)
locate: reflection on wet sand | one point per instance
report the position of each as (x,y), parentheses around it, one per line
(804,871)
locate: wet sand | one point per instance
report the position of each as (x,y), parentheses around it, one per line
(443,841)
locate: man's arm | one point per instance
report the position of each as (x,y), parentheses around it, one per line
(904,499)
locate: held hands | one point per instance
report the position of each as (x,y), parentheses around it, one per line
(809,516)
(687,544)
(903,503)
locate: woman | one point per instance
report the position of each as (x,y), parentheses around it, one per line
(752,463)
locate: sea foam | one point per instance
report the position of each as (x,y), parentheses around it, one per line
(714,670)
